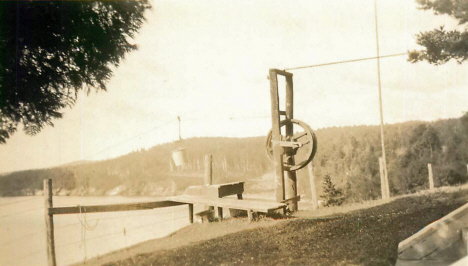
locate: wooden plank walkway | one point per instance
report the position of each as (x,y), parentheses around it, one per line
(251,206)
(245,204)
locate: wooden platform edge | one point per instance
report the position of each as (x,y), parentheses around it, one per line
(231,203)
(433,228)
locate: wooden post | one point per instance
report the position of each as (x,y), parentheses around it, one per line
(387,186)
(431,177)
(464,235)
(49,221)
(277,154)
(291,179)
(313,190)
(208,179)
(219,213)
(383,183)
(249,215)
(190,208)
(208,170)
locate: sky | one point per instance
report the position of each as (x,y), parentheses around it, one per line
(208,62)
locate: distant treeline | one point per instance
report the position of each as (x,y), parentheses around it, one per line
(350,155)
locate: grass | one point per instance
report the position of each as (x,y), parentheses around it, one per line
(360,237)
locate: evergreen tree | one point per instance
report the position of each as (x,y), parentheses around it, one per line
(441,45)
(49,50)
(332,195)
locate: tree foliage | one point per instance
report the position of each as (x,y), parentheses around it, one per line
(349,154)
(50,50)
(441,45)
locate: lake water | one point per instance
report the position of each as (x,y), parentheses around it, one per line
(78,237)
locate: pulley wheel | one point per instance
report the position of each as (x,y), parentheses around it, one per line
(303,139)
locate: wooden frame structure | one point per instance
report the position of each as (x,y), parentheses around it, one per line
(285,189)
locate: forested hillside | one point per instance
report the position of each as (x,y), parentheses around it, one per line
(348,154)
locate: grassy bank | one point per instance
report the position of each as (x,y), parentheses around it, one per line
(361,237)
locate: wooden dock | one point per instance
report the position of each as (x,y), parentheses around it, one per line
(251,206)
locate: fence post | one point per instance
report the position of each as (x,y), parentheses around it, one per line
(387,185)
(208,169)
(431,177)
(383,184)
(208,178)
(313,190)
(190,206)
(49,221)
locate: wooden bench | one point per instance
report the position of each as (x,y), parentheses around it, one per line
(217,191)
(251,206)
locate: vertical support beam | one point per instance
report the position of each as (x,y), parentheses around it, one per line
(276,135)
(249,215)
(313,190)
(208,178)
(49,221)
(431,177)
(219,213)
(208,170)
(190,213)
(291,179)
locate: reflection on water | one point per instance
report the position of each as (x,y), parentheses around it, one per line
(77,237)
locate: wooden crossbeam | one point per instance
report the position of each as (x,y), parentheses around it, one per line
(113,207)
(293,199)
(283,73)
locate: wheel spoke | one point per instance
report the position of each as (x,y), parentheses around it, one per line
(299,135)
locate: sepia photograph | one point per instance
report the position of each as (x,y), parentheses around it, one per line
(234,132)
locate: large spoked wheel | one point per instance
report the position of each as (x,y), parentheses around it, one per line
(303,144)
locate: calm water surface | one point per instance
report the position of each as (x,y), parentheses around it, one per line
(78,237)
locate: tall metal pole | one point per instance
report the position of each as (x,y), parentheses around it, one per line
(384,158)
(178,118)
